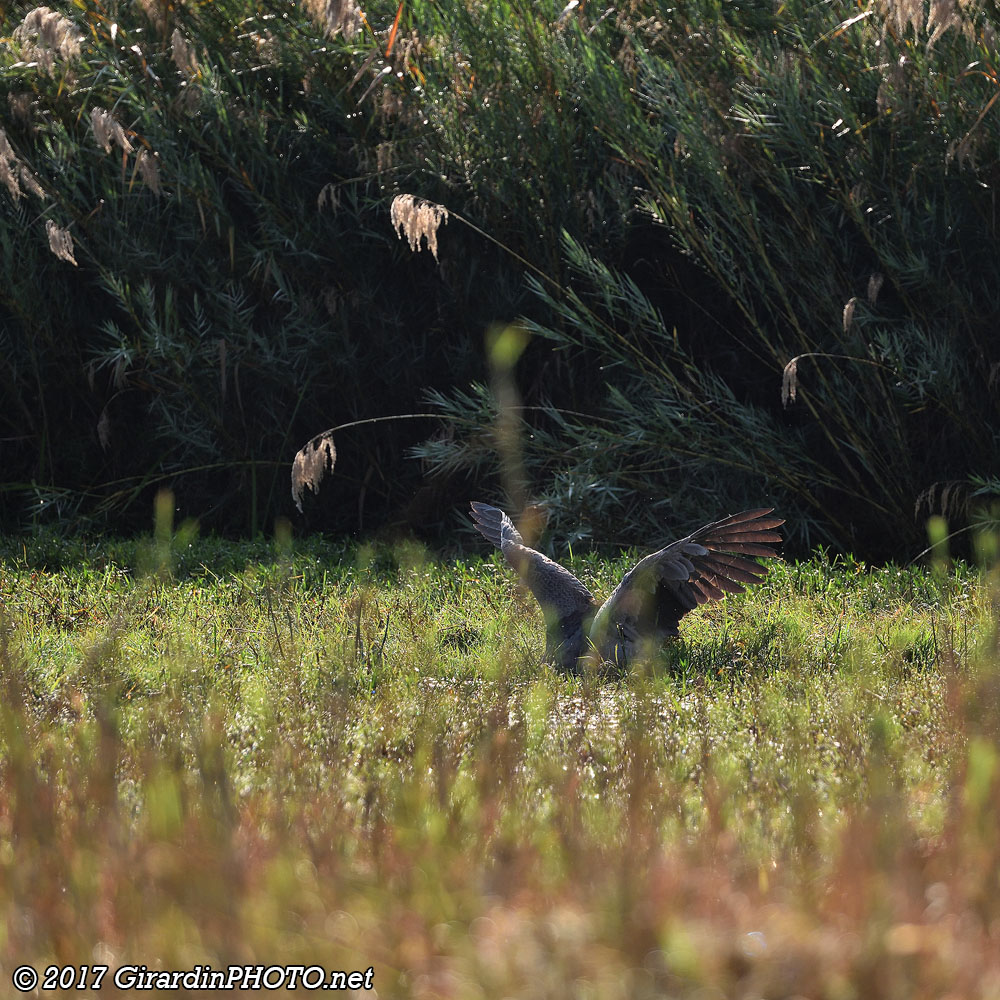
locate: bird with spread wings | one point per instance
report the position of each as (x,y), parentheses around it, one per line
(653,596)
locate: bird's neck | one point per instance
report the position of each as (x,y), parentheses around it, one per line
(566,646)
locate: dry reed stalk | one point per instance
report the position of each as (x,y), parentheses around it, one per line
(949,498)
(329,195)
(417,219)
(385,152)
(104,430)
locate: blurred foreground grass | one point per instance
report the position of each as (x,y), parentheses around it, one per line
(221,753)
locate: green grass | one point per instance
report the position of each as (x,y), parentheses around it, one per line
(352,757)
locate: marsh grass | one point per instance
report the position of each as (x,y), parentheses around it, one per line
(350,756)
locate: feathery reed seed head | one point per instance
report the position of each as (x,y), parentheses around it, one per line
(182,53)
(312,463)
(789,382)
(107,130)
(417,219)
(14,172)
(146,164)
(849,312)
(104,430)
(60,242)
(335,16)
(45,35)
(156,11)
(20,108)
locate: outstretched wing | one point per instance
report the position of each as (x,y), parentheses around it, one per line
(565,601)
(656,593)
(494,525)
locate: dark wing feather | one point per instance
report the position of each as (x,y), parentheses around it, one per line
(655,594)
(565,601)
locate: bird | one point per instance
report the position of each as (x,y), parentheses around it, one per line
(647,606)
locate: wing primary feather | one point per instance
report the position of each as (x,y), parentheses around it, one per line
(758,514)
(726,538)
(747,572)
(746,549)
(709,589)
(494,525)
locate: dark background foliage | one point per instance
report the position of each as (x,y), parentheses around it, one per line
(672,201)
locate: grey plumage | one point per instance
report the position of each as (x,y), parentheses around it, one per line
(653,596)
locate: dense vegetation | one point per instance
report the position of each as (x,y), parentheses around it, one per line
(664,223)
(199,270)
(217,753)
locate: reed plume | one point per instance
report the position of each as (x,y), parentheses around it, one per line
(60,242)
(45,36)
(417,219)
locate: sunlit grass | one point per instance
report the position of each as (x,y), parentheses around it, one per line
(218,753)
